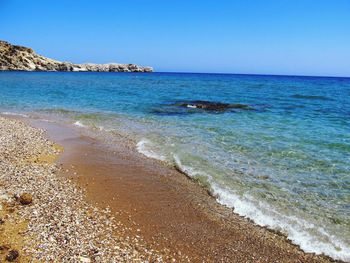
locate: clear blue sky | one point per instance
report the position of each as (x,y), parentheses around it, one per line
(304,37)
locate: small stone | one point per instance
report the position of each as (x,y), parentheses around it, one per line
(4,197)
(1,221)
(12,255)
(10,210)
(25,199)
(85,259)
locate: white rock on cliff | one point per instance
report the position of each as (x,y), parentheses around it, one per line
(22,58)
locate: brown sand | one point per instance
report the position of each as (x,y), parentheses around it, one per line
(166,208)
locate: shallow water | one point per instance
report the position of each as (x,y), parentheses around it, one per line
(285,162)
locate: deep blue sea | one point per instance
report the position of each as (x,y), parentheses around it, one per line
(284,162)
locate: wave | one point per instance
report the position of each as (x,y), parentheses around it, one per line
(296,229)
(59,111)
(14,114)
(310,238)
(92,116)
(144,147)
(79,124)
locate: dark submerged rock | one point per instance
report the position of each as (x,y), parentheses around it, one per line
(183,108)
(212,106)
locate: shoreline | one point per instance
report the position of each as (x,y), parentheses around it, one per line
(201,229)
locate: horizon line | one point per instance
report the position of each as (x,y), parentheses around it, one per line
(187,72)
(253,74)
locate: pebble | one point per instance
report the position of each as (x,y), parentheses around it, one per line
(84,259)
(12,255)
(26,199)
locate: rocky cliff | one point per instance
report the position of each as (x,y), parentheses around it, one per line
(22,58)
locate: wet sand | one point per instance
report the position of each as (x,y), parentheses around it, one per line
(171,212)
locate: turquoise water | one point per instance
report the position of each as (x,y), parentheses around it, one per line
(285,163)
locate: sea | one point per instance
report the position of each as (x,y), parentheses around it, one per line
(282,160)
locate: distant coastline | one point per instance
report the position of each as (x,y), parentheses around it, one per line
(19,58)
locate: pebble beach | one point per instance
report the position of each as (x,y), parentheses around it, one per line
(44,217)
(77,202)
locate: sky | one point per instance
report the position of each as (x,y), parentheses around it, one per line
(287,37)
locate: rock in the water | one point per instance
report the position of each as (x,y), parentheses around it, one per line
(22,58)
(26,199)
(206,105)
(12,255)
(240,106)
(212,106)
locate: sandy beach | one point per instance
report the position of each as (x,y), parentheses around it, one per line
(94,203)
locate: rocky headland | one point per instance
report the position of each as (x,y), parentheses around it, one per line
(21,58)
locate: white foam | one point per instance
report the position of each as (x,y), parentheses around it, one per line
(46,120)
(144,145)
(101,128)
(79,124)
(191,106)
(14,114)
(186,169)
(296,229)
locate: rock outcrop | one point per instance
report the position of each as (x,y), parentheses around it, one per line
(212,106)
(181,108)
(25,59)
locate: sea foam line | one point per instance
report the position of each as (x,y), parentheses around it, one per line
(14,114)
(143,147)
(265,215)
(295,228)
(79,124)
